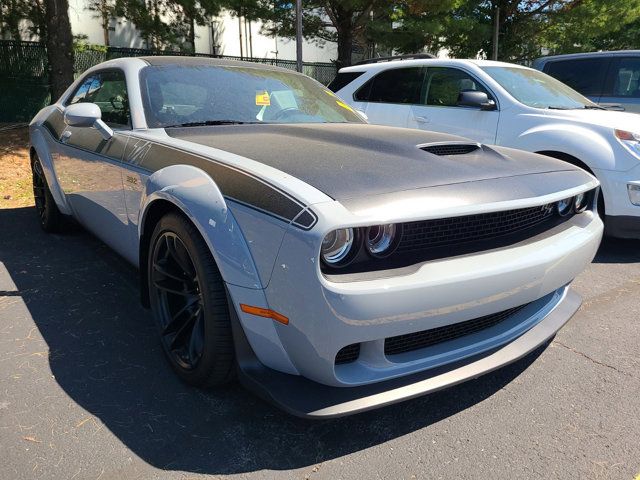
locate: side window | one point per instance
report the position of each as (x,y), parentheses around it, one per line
(626,81)
(584,75)
(443,86)
(399,85)
(82,90)
(342,80)
(108,90)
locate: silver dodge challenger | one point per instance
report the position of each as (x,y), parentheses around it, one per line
(331,265)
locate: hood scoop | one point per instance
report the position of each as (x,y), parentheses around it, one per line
(446,149)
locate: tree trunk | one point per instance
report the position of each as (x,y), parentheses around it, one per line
(12,19)
(192,34)
(104,11)
(59,47)
(345,46)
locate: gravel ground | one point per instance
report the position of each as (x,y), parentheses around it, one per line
(86,394)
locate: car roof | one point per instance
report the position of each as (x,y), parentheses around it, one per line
(570,56)
(162,60)
(427,61)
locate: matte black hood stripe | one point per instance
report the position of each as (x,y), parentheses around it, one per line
(347,160)
(235,184)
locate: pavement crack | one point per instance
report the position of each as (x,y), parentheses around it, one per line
(592,360)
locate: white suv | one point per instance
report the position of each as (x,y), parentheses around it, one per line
(510,105)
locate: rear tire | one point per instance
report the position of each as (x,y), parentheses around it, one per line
(51,220)
(189,303)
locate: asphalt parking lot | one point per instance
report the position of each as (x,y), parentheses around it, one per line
(86,394)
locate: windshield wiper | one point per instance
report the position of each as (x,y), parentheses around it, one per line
(556,107)
(208,123)
(594,107)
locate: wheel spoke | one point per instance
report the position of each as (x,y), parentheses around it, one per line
(178,254)
(163,269)
(196,342)
(160,284)
(175,323)
(182,335)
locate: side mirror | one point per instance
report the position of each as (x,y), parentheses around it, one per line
(87,115)
(476,99)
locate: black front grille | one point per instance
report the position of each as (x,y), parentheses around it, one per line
(427,338)
(451,148)
(348,354)
(454,231)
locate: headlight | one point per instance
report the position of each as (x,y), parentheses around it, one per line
(337,246)
(380,240)
(629,139)
(564,206)
(580,202)
(627,136)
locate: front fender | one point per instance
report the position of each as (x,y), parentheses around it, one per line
(41,146)
(584,144)
(194,192)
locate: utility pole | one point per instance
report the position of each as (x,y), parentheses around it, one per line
(299,35)
(496,31)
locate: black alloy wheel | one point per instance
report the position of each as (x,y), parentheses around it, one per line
(39,188)
(176,282)
(51,220)
(188,300)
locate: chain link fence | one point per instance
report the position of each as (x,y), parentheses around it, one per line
(24,72)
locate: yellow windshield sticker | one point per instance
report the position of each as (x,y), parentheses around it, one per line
(344,105)
(262,99)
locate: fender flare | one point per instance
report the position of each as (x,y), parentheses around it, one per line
(584,144)
(195,194)
(40,146)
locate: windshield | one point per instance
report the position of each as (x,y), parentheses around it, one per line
(537,89)
(177,95)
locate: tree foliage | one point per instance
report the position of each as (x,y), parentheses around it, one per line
(527,28)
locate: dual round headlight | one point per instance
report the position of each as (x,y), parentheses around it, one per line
(577,204)
(337,246)
(341,246)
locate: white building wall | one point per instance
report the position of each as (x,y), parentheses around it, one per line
(225,35)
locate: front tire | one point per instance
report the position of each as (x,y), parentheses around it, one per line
(51,220)
(189,303)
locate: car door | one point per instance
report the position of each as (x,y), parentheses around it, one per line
(386,98)
(438,109)
(90,168)
(623,84)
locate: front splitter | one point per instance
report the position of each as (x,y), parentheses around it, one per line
(304,398)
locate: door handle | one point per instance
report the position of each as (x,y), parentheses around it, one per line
(421,119)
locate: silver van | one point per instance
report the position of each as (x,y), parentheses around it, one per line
(611,79)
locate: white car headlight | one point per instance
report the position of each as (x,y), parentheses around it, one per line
(564,206)
(630,140)
(337,246)
(380,240)
(627,136)
(580,202)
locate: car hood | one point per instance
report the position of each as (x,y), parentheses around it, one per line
(603,118)
(354,160)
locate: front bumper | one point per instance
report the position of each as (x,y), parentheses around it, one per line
(441,292)
(622,216)
(305,398)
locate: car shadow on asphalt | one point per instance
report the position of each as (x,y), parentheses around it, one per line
(105,356)
(617,250)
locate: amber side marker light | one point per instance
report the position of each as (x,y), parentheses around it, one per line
(264,312)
